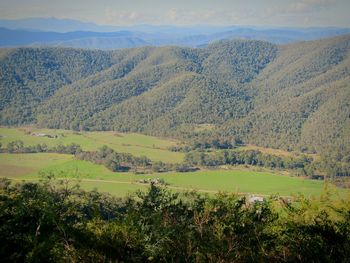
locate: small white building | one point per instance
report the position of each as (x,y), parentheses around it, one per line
(255,199)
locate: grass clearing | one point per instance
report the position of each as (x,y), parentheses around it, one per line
(243,181)
(277,152)
(137,144)
(92,176)
(13,170)
(14,165)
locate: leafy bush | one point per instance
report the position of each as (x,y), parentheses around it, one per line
(56,222)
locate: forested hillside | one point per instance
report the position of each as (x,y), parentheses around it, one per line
(302,98)
(29,76)
(291,97)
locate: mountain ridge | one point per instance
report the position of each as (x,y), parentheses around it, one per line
(77,34)
(290,96)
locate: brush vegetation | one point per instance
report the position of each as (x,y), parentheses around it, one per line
(59,223)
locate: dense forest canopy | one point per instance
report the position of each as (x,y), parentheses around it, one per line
(292,97)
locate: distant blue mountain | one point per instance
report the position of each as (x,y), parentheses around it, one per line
(281,35)
(53,32)
(78,39)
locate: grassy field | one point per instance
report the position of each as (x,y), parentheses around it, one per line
(136,144)
(16,165)
(90,176)
(277,152)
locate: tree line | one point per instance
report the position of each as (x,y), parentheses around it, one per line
(18,146)
(114,161)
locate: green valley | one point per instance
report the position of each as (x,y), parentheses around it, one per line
(233,146)
(236,180)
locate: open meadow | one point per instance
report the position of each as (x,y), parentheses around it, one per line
(90,176)
(137,144)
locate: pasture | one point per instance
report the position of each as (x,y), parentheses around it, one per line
(137,144)
(17,165)
(91,176)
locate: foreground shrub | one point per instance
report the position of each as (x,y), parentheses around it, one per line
(56,222)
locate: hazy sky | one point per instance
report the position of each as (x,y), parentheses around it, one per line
(186,12)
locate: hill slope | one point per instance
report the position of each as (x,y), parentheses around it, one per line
(293,97)
(301,98)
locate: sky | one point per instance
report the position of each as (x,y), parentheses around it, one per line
(292,13)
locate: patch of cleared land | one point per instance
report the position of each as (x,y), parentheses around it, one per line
(277,152)
(15,165)
(137,144)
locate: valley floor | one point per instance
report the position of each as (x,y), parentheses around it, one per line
(235,179)
(137,144)
(90,176)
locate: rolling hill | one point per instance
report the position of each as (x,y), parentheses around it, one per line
(292,96)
